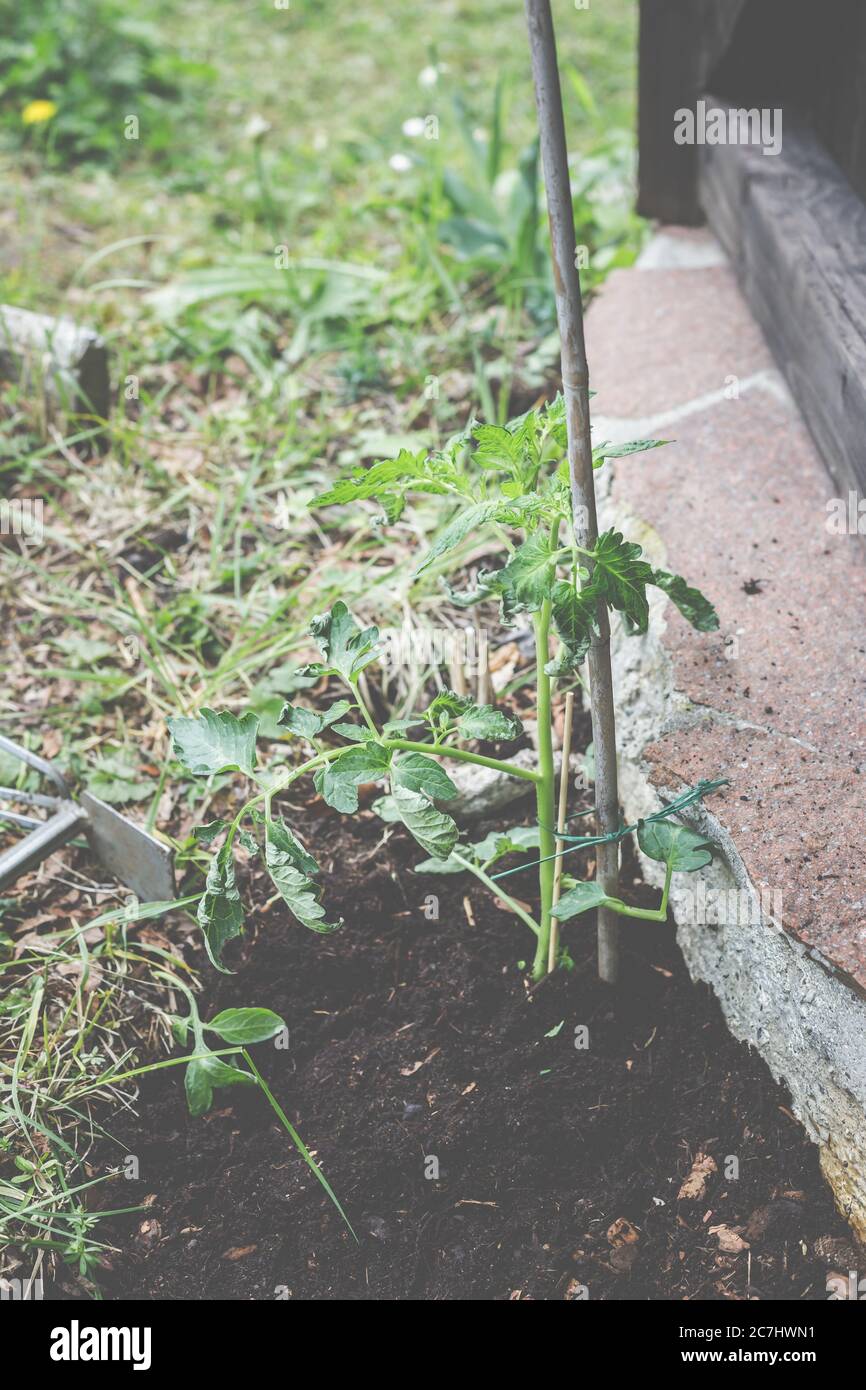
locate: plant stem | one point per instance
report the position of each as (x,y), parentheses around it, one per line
(362,704)
(545,790)
(659,914)
(575,387)
(296,1138)
(496,891)
(464,755)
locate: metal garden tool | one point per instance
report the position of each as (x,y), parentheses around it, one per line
(132,855)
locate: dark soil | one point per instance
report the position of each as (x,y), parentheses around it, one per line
(414,1039)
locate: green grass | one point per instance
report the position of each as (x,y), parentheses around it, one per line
(72,1012)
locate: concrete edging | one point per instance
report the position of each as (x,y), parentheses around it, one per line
(803,1016)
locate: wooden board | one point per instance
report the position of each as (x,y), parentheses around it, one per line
(795,231)
(681,41)
(807,59)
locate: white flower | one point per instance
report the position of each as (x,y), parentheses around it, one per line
(429,76)
(414,127)
(256,127)
(400,163)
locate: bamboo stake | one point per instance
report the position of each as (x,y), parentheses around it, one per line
(575,386)
(560,826)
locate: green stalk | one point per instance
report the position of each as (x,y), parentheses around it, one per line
(496,890)
(464,755)
(646,914)
(545,790)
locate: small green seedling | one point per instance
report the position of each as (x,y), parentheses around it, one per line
(511,480)
(208,1070)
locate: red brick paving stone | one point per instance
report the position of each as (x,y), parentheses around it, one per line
(741,496)
(647,355)
(739,501)
(797,822)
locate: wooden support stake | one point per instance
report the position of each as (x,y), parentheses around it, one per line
(575,389)
(560,825)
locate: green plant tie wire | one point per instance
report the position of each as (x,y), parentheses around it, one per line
(672,808)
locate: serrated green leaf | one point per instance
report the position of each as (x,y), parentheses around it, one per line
(489,722)
(673,844)
(418,773)
(498,843)
(385,481)
(386,808)
(205,834)
(309,723)
(600,452)
(338,781)
(220,912)
(296,888)
(493,847)
(574,617)
(620,577)
(433,829)
(356,733)
(695,608)
(346,648)
(399,726)
(528,578)
(204,1075)
(468,519)
(581,898)
(465,598)
(448,702)
(496,447)
(286,841)
(245,1025)
(215,742)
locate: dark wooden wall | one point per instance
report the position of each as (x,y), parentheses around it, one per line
(806,56)
(681,41)
(794,224)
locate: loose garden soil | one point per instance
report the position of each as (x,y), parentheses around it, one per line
(411,1039)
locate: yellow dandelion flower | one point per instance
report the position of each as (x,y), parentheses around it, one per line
(35,112)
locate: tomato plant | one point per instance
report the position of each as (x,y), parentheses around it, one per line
(514,478)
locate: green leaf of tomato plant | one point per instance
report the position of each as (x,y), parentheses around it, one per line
(468,519)
(574,617)
(695,608)
(308,723)
(245,1025)
(433,829)
(489,722)
(418,773)
(204,1075)
(485,852)
(220,912)
(527,580)
(289,867)
(215,742)
(675,845)
(603,451)
(346,648)
(386,482)
(338,781)
(581,898)
(620,577)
